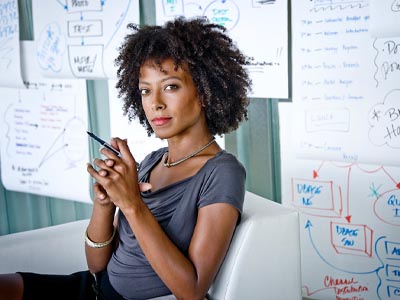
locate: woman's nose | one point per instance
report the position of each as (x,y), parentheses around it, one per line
(157,103)
(157,106)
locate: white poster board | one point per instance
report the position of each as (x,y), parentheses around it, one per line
(81,38)
(10,62)
(260,29)
(346,84)
(349,222)
(44,145)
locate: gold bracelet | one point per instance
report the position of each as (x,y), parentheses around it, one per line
(92,244)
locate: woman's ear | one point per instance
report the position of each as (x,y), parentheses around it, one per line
(202,103)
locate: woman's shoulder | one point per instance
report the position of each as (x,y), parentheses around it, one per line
(225,161)
(154,156)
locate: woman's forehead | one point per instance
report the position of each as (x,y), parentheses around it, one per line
(166,66)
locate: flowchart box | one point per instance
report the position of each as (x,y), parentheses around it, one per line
(355,239)
(316,197)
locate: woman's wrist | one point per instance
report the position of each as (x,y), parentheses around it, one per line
(93,244)
(104,211)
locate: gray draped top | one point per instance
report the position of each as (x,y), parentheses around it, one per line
(220,180)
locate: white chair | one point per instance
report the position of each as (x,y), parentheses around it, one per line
(263,261)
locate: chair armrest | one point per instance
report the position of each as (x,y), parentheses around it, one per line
(52,250)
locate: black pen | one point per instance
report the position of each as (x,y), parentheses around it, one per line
(104,144)
(108,146)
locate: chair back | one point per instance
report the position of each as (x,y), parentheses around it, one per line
(263,261)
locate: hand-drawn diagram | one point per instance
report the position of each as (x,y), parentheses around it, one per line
(52,48)
(81,39)
(64,131)
(10,65)
(318,197)
(345,109)
(349,223)
(384,119)
(44,147)
(340,77)
(44,142)
(260,29)
(387,61)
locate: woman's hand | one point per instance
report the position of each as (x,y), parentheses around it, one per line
(116,177)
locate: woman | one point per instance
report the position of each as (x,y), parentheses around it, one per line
(186,83)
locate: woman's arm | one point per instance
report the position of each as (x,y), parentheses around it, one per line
(100,229)
(187,277)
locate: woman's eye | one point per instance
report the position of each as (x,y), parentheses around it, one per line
(143,91)
(171,87)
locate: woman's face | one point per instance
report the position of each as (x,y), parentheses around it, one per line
(169,99)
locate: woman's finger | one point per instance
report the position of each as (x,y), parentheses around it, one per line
(99,191)
(144,186)
(109,162)
(108,153)
(92,171)
(102,172)
(126,154)
(106,164)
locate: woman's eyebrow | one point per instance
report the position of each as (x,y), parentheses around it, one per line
(171,77)
(162,80)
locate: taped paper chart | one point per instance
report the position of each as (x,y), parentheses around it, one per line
(10,62)
(349,223)
(44,145)
(346,85)
(259,28)
(81,38)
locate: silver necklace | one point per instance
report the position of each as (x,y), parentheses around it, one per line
(168,165)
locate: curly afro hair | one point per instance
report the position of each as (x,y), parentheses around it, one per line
(214,62)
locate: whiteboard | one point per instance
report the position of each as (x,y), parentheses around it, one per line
(140,144)
(349,222)
(346,84)
(80,39)
(10,62)
(260,29)
(44,145)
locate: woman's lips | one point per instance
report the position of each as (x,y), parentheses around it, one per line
(160,121)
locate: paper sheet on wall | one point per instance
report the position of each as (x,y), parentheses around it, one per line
(81,38)
(10,62)
(346,85)
(349,222)
(44,145)
(385,18)
(139,142)
(259,28)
